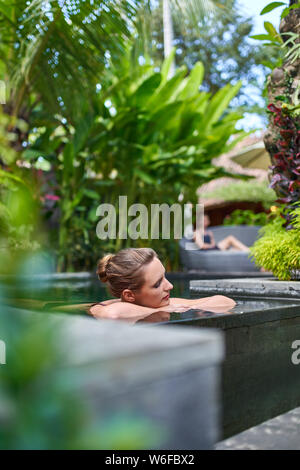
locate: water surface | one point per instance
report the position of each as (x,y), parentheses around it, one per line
(45,295)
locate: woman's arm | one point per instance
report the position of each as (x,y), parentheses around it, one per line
(198,239)
(129,311)
(215,301)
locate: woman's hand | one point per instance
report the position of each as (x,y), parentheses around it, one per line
(219,301)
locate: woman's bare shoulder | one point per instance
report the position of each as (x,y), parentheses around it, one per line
(110,301)
(100,307)
(119,310)
(105,310)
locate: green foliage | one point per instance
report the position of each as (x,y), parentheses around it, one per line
(271,6)
(52,55)
(284,112)
(7,139)
(285,174)
(149,137)
(252,191)
(221,42)
(246,217)
(99,124)
(285,12)
(193,11)
(286,50)
(48,48)
(272,35)
(292,47)
(17,205)
(169,129)
(278,249)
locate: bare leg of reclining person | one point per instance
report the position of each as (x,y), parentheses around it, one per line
(232,242)
(208,241)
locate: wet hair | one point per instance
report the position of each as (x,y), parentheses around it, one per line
(124,270)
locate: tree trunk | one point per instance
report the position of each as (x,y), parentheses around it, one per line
(168,33)
(282,139)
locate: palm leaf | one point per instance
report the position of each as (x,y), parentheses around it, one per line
(59,47)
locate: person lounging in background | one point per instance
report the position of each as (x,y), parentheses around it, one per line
(208,241)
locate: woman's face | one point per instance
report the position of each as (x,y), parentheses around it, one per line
(156,289)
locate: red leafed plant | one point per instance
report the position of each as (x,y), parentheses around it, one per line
(285,178)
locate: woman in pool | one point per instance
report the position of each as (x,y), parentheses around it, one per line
(208,242)
(137,278)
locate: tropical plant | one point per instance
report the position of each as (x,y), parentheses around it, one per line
(150,138)
(126,129)
(49,47)
(286,165)
(246,217)
(278,249)
(173,130)
(17,203)
(287,46)
(282,138)
(217,41)
(191,10)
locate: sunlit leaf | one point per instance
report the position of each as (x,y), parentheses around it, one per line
(271,6)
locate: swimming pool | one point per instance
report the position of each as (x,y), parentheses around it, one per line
(259,379)
(42,294)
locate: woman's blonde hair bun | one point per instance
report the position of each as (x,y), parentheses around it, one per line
(102,267)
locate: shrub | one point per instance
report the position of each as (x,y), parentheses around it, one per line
(246,217)
(278,249)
